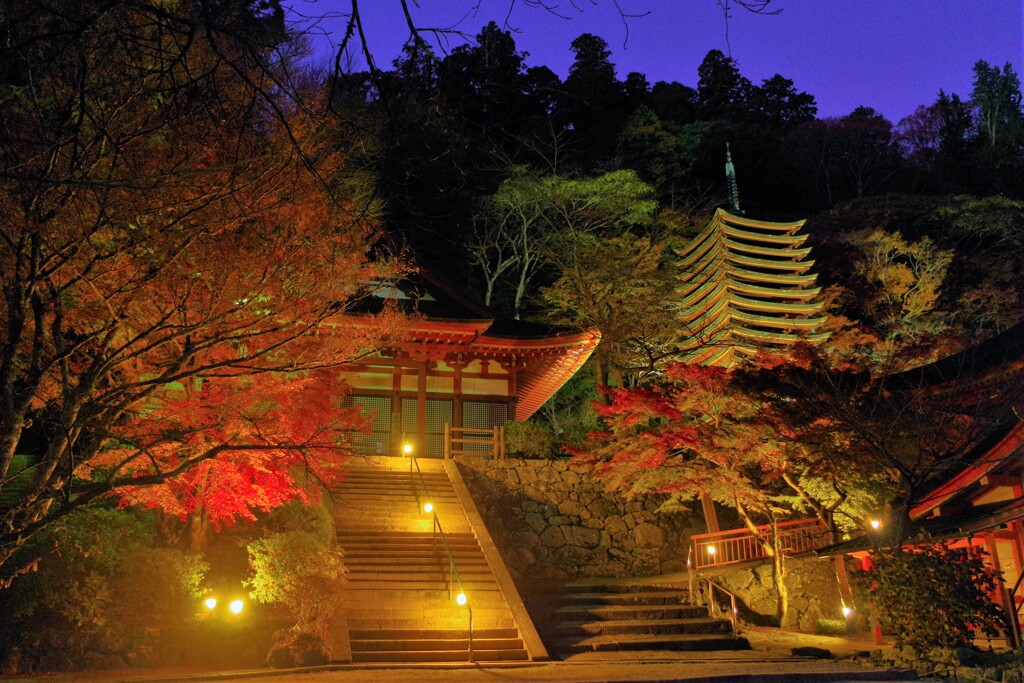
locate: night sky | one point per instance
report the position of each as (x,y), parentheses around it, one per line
(887,54)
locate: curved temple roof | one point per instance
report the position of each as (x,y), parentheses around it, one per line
(746,285)
(451,325)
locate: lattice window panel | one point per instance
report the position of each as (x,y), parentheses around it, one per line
(378,409)
(483,415)
(409,421)
(438,412)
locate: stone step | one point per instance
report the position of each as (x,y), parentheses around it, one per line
(385,537)
(434,643)
(399,524)
(434,656)
(486,625)
(408,563)
(466,574)
(366,545)
(646,626)
(399,605)
(442,613)
(427,584)
(624,612)
(370,605)
(371,532)
(422,555)
(581,588)
(684,642)
(637,598)
(400,483)
(411,500)
(423,549)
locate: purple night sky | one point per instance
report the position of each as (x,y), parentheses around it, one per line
(889,55)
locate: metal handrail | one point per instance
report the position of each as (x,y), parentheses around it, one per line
(712,603)
(453,570)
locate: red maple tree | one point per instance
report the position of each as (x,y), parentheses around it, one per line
(179,271)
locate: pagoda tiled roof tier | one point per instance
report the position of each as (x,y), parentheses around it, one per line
(746,285)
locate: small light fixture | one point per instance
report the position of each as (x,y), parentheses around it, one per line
(428,507)
(407,448)
(236,606)
(461,598)
(876,524)
(847,611)
(210,603)
(711,550)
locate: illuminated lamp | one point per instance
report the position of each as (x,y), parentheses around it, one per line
(236,606)
(876,524)
(847,611)
(428,507)
(210,603)
(461,598)
(407,448)
(711,550)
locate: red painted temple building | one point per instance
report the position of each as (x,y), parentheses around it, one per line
(459,366)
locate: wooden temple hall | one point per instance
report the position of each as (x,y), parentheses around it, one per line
(460,375)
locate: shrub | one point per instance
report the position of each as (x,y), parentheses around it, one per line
(103,585)
(833,627)
(303,573)
(530,440)
(933,596)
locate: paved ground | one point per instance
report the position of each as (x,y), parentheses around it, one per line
(771,660)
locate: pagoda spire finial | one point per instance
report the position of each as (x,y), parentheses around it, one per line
(730,178)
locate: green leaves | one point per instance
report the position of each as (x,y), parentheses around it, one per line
(933,596)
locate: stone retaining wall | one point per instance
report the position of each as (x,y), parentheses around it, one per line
(552,521)
(813,592)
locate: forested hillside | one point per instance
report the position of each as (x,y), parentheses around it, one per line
(562,200)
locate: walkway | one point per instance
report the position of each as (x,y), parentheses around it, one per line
(770,661)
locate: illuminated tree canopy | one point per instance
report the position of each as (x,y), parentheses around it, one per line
(174,265)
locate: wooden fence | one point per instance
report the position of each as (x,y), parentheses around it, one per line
(481,442)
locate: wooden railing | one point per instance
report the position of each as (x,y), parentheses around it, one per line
(739,545)
(481,442)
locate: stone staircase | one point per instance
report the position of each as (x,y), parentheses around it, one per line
(398,604)
(608,616)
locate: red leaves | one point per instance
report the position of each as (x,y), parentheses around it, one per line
(694,431)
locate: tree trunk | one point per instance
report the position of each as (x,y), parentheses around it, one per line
(779,579)
(601,378)
(199,525)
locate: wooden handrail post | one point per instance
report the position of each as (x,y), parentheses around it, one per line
(447,440)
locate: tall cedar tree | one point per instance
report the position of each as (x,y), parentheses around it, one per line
(172,266)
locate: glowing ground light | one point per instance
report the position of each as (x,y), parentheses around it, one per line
(428,507)
(847,611)
(407,448)
(876,524)
(236,606)
(461,598)
(210,603)
(711,550)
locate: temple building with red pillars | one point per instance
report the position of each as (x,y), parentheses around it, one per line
(981,504)
(459,375)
